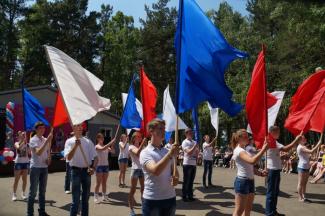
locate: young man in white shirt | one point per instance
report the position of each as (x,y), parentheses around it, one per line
(159,197)
(40,148)
(274,171)
(208,159)
(191,151)
(81,153)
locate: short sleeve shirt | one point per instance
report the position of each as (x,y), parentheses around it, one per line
(38,161)
(273,157)
(189,159)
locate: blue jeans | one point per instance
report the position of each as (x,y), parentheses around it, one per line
(67,177)
(80,181)
(272,193)
(189,172)
(207,170)
(165,207)
(38,178)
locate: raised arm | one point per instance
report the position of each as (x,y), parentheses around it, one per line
(191,150)
(310,151)
(291,145)
(252,160)
(138,150)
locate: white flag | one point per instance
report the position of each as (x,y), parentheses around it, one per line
(78,87)
(214,114)
(273,111)
(138,106)
(169,113)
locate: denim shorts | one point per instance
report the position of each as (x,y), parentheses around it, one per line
(102,169)
(301,170)
(123,160)
(165,207)
(137,173)
(244,186)
(21,166)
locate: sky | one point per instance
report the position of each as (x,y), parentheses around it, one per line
(135,8)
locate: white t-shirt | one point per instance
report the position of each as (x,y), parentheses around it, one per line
(102,157)
(250,149)
(189,159)
(244,169)
(207,152)
(157,187)
(22,154)
(303,158)
(38,161)
(135,159)
(273,157)
(88,148)
(124,153)
(168,146)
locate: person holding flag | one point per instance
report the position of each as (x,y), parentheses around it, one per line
(244,182)
(81,153)
(208,160)
(40,160)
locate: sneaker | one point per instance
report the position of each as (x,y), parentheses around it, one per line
(191,199)
(14,197)
(23,196)
(185,199)
(68,192)
(105,198)
(96,199)
(132,213)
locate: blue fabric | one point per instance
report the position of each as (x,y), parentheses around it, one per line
(244,186)
(168,135)
(21,166)
(67,179)
(102,169)
(130,117)
(196,128)
(203,55)
(272,192)
(208,166)
(38,179)
(189,172)
(165,207)
(33,111)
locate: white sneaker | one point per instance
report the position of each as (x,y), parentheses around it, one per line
(105,198)
(68,192)
(96,199)
(14,197)
(23,196)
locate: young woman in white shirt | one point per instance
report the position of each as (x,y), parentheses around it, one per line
(123,159)
(244,182)
(304,165)
(102,168)
(135,149)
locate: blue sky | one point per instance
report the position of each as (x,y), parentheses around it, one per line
(135,8)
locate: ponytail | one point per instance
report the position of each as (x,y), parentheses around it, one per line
(235,137)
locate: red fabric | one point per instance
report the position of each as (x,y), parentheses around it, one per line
(60,114)
(258,100)
(307,110)
(149,99)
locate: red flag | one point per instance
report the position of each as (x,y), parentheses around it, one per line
(258,100)
(60,114)
(149,98)
(307,110)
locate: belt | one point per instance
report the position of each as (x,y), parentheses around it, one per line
(79,168)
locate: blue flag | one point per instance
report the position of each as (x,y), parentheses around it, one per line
(196,127)
(203,55)
(130,117)
(33,111)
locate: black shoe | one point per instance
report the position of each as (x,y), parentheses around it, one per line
(191,199)
(205,186)
(43,214)
(212,185)
(185,199)
(279,214)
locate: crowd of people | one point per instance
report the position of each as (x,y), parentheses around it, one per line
(154,166)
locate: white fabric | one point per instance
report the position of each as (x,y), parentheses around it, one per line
(102,157)
(124,153)
(168,146)
(138,106)
(157,187)
(169,114)
(273,157)
(189,159)
(78,88)
(214,114)
(303,158)
(273,111)
(38,161)
(135,159)
(77,159)
(244,169)
(22,156)
(207,152)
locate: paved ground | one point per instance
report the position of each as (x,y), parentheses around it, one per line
(214,201)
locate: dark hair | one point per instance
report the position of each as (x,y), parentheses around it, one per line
(274,128)
(38,124)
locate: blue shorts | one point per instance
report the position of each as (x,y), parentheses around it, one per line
(137,173)
(301,170)
(244,186)
(102,169)
(21,166)
(123,160)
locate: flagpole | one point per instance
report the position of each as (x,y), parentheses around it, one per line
(176,141)
(265,110)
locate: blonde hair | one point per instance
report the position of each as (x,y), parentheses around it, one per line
(235,137)
(154,123)
(134,136)
(99,135)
